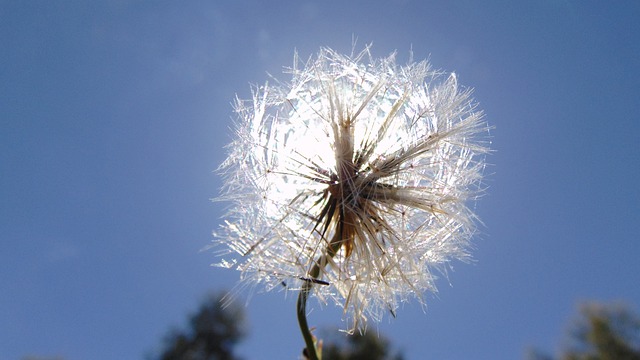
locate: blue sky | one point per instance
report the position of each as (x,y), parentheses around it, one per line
(113,118)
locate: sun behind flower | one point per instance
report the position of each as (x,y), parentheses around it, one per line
(353,177)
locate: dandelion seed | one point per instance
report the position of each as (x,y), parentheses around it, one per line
(355,176)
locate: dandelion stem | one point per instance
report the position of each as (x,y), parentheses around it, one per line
(302,320)
(332,249)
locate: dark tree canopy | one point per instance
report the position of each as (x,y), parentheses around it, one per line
(602,332)
(606,332)
(368,346)
(213,333)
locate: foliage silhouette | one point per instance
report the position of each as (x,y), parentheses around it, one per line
(214,331)
(602,332)
(367,346)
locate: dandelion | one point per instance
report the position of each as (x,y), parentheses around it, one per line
(350,183)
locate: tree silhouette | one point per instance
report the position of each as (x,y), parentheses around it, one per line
(213,333)
(602,332)
(606,333)
(367,346)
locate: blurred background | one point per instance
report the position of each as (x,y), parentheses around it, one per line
(114,116)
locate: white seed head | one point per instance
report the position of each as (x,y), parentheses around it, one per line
(360,164)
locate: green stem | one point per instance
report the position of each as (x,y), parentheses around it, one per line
(302,321)
(332,249)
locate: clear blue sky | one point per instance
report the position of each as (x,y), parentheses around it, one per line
(113,118)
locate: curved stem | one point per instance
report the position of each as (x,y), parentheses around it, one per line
(332,249)
(302,321)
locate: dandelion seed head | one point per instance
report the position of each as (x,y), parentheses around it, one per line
(361,164)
